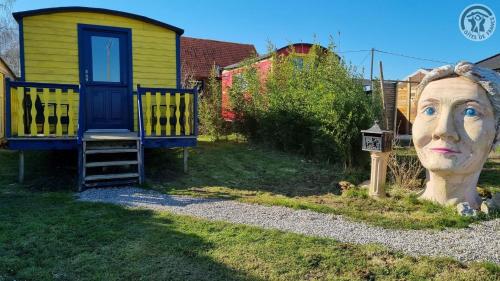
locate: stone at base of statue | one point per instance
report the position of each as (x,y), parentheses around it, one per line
(488,206)
(378,174)
(345,185)
(365,184)
(464,209)
(496,199)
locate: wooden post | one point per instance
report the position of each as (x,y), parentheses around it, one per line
(395,123)
(378,174)
(185,154)
(21,166)
(409,105)
(382,93)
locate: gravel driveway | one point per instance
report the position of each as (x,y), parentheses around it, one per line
(478,242)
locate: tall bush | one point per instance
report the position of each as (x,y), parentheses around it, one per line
(310,103)
(210,109)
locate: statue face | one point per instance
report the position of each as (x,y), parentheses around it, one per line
(455,126)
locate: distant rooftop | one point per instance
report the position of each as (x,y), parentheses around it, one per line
(492,62)
(198,56)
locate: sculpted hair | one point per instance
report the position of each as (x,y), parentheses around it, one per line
(488,79)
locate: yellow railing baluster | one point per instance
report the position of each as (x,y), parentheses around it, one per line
(148,124)
(177,114)
(167,113)
(158,112)
(71,121)
(33,128)
(46,112)
(187,109)
(20,111)
(58,113)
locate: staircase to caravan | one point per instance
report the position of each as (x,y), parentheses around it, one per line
(110,159)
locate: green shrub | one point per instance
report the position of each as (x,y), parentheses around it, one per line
(312,103)
(210,109)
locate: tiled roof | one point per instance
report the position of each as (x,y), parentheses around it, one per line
(199,55)
(492,62)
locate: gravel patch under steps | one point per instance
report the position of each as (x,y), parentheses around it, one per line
(479,242)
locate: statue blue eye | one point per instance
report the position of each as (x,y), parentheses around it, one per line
(470,112)
(429,111)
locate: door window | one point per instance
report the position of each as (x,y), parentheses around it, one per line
(105,59)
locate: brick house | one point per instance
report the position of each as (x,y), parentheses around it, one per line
(198,56)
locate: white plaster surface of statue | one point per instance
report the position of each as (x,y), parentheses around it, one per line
(456,127)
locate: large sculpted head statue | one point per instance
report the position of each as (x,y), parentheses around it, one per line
(456,127)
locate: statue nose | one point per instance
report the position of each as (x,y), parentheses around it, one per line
(445,128)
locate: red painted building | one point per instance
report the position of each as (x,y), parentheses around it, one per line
(263,65)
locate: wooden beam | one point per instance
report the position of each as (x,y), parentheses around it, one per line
(382,94)
(409,105)
(21,166)
(185,154)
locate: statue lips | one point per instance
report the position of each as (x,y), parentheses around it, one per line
(444,150)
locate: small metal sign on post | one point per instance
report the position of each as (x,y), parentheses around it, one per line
(379,143)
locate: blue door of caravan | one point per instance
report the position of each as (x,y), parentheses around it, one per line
(105,76)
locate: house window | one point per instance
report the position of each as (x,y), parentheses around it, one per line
(240,80)
(367,89)
(298,63)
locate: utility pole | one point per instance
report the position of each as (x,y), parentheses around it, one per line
(371,73)
(371,66)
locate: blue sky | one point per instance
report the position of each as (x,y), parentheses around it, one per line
(426,29)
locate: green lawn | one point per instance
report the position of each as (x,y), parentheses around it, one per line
(49,236)
(46,235)
(236,170)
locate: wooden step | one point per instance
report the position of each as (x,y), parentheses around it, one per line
(111,176)
(111,163)
(110,136)
(111,183)
(120,150)
(111,147)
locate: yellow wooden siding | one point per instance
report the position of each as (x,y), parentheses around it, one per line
(51,48)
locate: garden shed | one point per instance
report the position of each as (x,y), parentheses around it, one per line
(103,82)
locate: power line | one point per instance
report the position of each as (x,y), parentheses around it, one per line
(363,60)
(351,51)
(412,57)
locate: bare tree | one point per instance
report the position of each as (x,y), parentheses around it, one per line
(9,43)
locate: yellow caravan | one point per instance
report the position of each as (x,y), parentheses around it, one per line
(103,82)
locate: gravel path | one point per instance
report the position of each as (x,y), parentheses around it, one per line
(478,242)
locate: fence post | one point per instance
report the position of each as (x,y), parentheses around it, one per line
(21,166)
(185,156)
